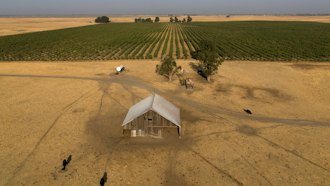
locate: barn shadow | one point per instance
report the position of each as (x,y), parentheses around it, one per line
(104,127)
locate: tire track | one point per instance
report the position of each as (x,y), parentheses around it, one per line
(283,148)
(247,161)
(217,168)
(293,153)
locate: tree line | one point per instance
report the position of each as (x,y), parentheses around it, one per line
(184,20)
(146,20)
(105,19)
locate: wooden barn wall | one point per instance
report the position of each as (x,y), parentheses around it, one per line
(149,120)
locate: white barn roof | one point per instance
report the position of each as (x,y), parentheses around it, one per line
(157,104)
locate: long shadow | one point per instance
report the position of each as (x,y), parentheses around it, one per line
(250,92)
(134,81)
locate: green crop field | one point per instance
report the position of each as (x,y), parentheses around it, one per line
(259,40)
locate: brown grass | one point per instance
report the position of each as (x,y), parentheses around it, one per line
(11,26)
(51,110)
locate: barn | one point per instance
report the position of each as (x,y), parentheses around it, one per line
(152,117)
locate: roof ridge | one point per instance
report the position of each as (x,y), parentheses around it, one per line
(153,101)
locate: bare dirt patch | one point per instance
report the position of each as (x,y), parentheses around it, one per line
(11,26)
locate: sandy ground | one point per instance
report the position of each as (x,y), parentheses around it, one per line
(51,110)
(10,26)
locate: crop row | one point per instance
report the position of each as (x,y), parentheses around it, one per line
(284,41)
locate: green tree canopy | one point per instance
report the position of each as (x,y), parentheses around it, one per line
(167,67)
(208,57)
(157,20)
(143,20)
(189,19)
(102,19)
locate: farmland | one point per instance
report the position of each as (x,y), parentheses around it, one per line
(249,40)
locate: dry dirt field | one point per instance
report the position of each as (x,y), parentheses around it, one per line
(10,26)
(51,110)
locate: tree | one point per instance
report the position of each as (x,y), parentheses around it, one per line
(167,67)
(102,19)
(176,19)
(149,20)
(157,20)
(171,20)
(184,20)
(142,20)
(208,58)
(189,19)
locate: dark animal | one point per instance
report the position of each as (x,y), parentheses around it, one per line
(201,73)
(247,111)
(66,162)
(104,179)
